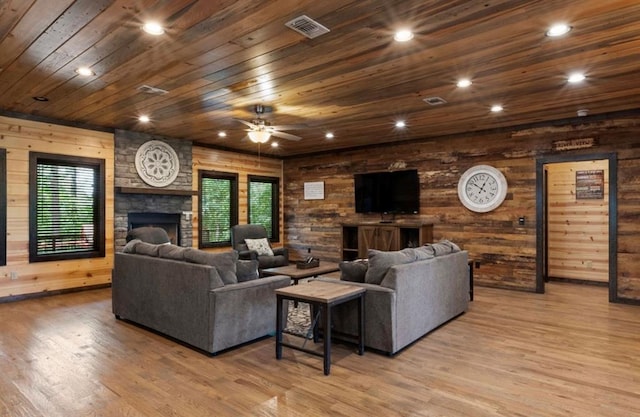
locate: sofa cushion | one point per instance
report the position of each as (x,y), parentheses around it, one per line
(381,261)
(224,262)
(130,247)
(353,271)
(148,249)
(155,235)
(174,252)
(247,270)
(260,246)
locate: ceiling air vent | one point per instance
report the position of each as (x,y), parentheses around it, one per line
(147,89)
(307,26)
(435,101)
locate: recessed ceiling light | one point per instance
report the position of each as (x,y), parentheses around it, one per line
(40,98)
(496,108)
(329,135)
(144,119)
(403,35)
(222,134)
(153,28)
(400,123)
(576,77)
(558,29)
(85,71)
(465,82)
(274,144)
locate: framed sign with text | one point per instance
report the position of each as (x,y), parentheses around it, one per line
(590,184)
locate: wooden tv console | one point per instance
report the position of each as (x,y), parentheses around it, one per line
(358,238)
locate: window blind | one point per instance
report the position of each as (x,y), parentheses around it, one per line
(66,208)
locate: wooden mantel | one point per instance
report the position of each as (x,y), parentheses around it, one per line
(155,191)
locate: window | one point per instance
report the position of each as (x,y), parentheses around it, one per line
(218,208)
(3,206)
(264,204)
(67,207)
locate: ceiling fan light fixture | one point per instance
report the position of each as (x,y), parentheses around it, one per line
(153,28)
(259,136)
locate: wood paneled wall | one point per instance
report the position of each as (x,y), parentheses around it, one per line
(236,163)
(19,137)
(578,229)
(505,249)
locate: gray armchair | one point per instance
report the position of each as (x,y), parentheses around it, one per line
(240,232)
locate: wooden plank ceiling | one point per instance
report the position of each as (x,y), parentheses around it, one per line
(218,59)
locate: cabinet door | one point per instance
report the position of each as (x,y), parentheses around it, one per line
(386,238)
(366,239)
(377,237)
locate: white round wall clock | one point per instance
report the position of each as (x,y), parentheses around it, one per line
(482,188)
(157,163)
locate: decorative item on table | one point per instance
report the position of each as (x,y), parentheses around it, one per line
(308,262)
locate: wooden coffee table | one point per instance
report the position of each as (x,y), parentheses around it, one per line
(298,274)
(323,296)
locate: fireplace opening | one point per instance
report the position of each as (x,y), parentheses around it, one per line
(168,221)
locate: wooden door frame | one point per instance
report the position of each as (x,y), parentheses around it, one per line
(541,201)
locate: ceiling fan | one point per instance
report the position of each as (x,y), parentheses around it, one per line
(260,130)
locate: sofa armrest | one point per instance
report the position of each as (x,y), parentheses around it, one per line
(248,255)
(281,251)
(244,311)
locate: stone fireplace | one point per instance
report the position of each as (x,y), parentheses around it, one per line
(137,203)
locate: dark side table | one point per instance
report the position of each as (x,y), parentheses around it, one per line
(323,296)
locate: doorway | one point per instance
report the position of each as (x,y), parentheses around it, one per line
(576,230)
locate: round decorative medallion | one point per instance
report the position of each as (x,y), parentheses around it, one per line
(482,188)
(157,163)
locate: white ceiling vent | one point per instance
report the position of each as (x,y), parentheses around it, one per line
(307,26)
(435,101)
(147,89)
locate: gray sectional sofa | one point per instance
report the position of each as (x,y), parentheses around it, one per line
(409,293)
(211,301)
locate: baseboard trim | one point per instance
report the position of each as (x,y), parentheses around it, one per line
(22,297)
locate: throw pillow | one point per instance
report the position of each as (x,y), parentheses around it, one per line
(148,249)
(130,247)
(380,262)
(172,252)
(247,270)
(224,262)
(444,247)
(260,246)
(424,252)
(353,271)
(155,235)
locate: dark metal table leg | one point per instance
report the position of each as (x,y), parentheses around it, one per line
(361,325)
(279,327)
(327,338)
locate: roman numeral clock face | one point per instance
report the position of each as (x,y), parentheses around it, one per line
(482,188)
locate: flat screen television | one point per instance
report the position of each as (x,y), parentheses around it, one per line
(387,192)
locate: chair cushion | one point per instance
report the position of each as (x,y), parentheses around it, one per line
(260,246)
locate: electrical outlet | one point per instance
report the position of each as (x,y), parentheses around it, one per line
(589,264)
(13,275)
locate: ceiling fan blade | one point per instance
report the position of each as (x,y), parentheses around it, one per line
(251,125)
(289,127)
(284,135)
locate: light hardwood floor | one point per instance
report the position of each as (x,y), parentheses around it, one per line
(565,353)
